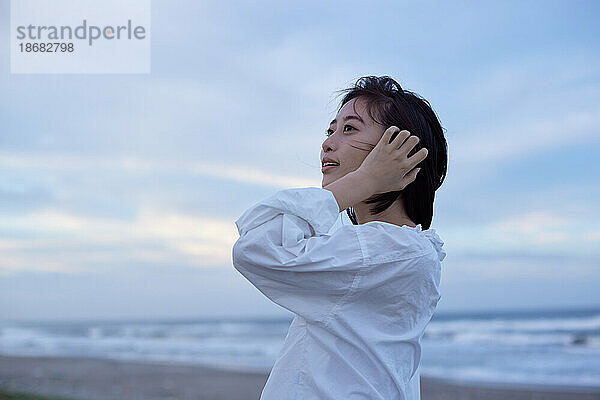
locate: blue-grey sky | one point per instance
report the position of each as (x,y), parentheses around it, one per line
(118,193)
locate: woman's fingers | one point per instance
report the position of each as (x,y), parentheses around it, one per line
(401,140)
(409,178)
(408,144)
(387,135)
(418,156)
(398,137)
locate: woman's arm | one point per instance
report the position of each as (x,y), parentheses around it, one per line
(350,189)
(286,252)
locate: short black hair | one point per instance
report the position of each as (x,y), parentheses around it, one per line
(388,104)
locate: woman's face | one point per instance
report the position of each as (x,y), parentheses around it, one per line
(351,136)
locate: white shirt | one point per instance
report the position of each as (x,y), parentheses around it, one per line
(363,296)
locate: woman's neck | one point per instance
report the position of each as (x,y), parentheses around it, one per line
(394,214)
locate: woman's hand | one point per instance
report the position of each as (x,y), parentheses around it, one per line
(387,168)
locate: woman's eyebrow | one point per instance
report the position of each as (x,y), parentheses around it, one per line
(347,117)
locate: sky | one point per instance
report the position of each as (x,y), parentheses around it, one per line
(119,192)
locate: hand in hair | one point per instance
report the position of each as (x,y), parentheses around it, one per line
(387,167)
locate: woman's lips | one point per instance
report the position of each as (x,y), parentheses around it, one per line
(328,167)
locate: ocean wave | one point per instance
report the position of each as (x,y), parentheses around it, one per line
(489,375)
(504,348)
(588,323)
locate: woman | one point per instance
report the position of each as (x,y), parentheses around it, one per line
(364,293)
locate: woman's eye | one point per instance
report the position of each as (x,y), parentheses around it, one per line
(329,132)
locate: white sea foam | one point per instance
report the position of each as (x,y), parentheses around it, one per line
(523,325)
(490,376)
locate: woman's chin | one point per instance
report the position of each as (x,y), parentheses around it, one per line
(327,180)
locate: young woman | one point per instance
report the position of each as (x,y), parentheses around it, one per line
(363,293)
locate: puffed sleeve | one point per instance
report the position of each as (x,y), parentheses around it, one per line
(286,252)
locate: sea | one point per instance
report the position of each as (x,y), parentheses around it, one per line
(555,347)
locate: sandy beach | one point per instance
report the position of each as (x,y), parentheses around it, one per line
(95,379)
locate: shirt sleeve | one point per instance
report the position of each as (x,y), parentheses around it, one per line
(286,252)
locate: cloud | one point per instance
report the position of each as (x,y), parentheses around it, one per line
(141,165)
(514,265)
(592,236)
(512,139)
(251,175)
(534,231)
(525,105)
(51,235)
(540,226)
(66,242)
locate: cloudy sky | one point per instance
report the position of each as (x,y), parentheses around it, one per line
(118,193)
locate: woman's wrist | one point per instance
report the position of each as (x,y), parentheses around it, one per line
(350,189)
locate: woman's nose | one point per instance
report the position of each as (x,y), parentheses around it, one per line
(327,145)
